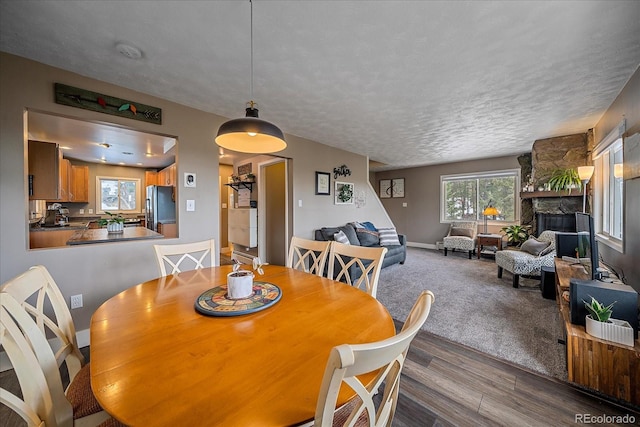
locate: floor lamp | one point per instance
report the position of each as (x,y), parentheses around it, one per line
(585,172)
(489,210)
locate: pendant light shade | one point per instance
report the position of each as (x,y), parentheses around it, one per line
(251,134)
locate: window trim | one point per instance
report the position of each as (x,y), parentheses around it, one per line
(138,182)
(478,175)
(601,194)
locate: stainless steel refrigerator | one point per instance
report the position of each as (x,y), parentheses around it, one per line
(160,206)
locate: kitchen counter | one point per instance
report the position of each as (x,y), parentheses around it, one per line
(100,235)
(70,226)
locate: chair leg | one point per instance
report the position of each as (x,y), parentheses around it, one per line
(515,280)
(499,272)
(470,254)
(445,251)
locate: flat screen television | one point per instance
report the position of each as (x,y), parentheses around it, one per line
(587,246)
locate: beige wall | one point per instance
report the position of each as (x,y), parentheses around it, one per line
(420,219)
(626,105)
(102,270)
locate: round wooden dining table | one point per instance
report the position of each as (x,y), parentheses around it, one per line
(156,361)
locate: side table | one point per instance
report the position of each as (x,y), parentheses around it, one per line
(488,240)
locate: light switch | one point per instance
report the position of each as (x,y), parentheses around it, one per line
(300,203)
(404,204)
(191,205)
(224,206)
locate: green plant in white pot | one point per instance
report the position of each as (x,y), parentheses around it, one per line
(565,179)
(599,323)
(115,223)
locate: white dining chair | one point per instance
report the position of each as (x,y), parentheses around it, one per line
(185,256)
(42,400)
(307,255)
(358,266)
(346,362)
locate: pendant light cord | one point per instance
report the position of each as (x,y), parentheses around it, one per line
(251,36)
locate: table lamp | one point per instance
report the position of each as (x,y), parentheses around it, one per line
(489,210)
(585,172)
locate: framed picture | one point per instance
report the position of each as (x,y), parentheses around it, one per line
(397,187)
(244,169)
(385,188)
(323,183)
(190,180)
(344,193)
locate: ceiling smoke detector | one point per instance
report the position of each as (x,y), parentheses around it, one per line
(129,51)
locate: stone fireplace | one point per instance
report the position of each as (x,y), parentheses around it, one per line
(549,210)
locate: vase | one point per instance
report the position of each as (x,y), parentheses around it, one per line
(618,331)
(239,284)
(115,227)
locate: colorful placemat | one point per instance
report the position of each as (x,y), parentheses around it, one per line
(214,302)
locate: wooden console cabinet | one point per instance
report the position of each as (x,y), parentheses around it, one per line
(610,368)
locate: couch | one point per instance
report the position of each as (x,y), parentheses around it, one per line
(534,254)
(365,234)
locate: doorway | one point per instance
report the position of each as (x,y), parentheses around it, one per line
(273,217)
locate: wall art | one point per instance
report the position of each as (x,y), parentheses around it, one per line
(323,183)
(344,193)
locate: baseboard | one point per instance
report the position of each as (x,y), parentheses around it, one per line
(422,245)
(81,336)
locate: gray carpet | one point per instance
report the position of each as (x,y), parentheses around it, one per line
(475,308)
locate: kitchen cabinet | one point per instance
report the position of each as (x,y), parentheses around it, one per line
(49,239)
(65,181)
(167,176)
(150,178)
(168,230)
(44,170)
(80,184)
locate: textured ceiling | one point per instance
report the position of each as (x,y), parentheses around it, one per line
(407,83)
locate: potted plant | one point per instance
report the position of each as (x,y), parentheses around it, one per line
(599,323)
(250,177)
(565,179)
(516,234)
(115,222)
(240,282)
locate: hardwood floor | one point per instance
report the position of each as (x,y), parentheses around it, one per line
(445,383)
(448,384)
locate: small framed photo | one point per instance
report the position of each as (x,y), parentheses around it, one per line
(323,183)
(397,187)
(385,188)
(190,180)
(344,193)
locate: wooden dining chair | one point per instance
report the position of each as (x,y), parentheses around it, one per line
(43,400)
(346,362)
(39,296)
(307,255)
(358,266)
(186,256)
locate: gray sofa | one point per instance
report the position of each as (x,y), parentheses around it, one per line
(363,237)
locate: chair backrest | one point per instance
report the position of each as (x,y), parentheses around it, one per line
(39,296)
(43,402)
(363,262)
(473,225)
(186,256)
(346,362)
(309,256)
(548,236)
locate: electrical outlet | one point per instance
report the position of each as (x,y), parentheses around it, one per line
(90,211)
(76,301)
(81,211)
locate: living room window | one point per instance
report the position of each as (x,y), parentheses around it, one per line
(464,196)
(117,194)
(608,189)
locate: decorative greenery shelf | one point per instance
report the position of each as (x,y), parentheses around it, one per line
(534,194)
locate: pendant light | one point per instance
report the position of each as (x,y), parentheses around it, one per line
(251,134)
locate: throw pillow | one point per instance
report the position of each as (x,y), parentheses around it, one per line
(534,246)
(368,237)
(369,226)
(461,231)
(388,237)
(350,232)
(340,237)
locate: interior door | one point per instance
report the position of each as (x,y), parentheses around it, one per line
(272,206)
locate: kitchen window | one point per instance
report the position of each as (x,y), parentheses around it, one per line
(464,196)
(117,194)
(608,189)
